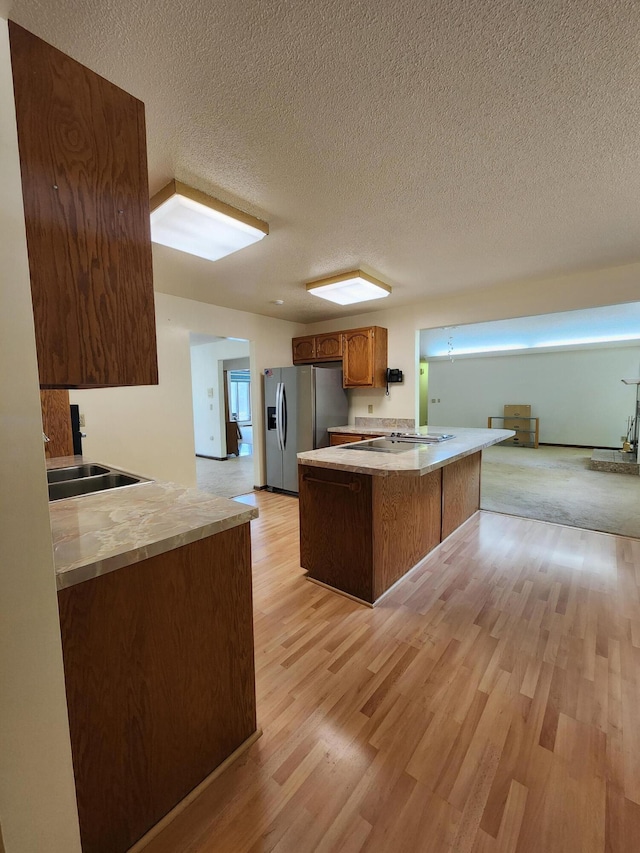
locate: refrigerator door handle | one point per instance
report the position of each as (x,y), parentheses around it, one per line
(283,417)
(279,391)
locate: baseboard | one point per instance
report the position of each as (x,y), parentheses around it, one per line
(259,488)
(578,446)
(215,458)
(340,592)
(192,795)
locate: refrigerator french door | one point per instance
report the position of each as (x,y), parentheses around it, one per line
(301,404)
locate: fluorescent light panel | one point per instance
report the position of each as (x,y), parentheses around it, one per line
(349,287)
(191,221)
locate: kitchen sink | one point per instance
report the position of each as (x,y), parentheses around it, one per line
(74,472)
(77,480)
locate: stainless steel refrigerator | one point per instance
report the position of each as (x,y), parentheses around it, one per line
(301,403)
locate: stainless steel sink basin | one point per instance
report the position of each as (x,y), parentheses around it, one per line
(87,479)
(74,472)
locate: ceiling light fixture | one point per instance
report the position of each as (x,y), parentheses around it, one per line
(194,222)
(349,287)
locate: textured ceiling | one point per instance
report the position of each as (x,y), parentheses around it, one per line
(441,146)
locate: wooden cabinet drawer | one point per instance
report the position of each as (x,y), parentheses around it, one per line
(342,438)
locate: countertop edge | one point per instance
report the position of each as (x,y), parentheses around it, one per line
(78,574)
(383,465)
(81,527)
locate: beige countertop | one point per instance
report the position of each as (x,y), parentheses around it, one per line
(101,532)
(415,461)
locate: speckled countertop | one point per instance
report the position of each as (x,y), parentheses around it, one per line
(415,461)
(101,532)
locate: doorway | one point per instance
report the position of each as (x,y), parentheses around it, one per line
(568,367)
(239,426)
(222,407)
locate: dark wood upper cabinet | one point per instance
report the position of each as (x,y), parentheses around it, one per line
(83,161)
(363,353)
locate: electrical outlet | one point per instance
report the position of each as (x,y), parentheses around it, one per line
(623,438)
(370,409)
(82,421)
(210,438)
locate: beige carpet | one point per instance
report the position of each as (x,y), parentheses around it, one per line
(227,479)
(556,484)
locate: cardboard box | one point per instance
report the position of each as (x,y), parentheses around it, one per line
(521,437)
(517,424)
(517,410)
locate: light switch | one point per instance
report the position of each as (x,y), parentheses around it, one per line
(370,409)
(209,392)
(82,422)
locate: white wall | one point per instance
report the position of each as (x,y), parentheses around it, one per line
(609,286)
(577,394)
(150,429)
(37,793)
(207,372)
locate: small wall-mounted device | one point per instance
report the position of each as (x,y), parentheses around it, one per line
(393,375)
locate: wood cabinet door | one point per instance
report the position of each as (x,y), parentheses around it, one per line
(56,423)
(86,202)
(336,529)
(329,347)
(357,358)
(304,349)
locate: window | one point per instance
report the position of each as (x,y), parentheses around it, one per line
(240,396)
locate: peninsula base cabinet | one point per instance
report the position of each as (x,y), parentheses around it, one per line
(361,533)
(159,672)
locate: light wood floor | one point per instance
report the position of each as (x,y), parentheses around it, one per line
(492,703)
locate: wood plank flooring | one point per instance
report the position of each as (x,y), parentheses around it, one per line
(490,704)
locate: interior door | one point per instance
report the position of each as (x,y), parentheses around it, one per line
(231,427)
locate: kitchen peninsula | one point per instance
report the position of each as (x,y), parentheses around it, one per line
(368,517)
(154,595)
